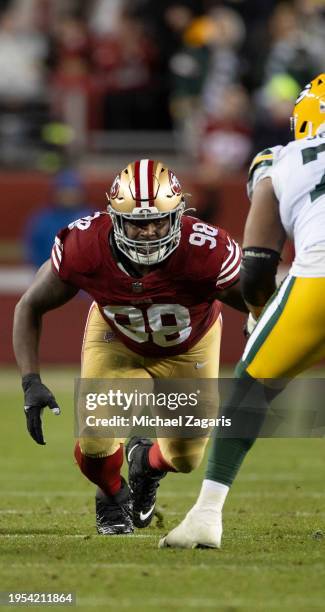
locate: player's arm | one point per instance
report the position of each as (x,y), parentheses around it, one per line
(233,297)
(47,292)
(227,281)
(264,237)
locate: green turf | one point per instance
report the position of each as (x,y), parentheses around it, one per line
(273,548)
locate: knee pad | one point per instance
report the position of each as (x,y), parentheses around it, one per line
(185,455)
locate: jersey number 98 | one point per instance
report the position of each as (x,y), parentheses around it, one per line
(203,233)
(169,324)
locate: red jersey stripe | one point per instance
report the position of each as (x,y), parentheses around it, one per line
(137,183)
(150,182)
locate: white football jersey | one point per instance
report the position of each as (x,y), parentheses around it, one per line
(297,172)
(298,178)
(261,167)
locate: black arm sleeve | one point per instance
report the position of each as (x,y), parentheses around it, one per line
(257,274)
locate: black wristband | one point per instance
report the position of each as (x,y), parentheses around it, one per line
(257,274)
(29,379)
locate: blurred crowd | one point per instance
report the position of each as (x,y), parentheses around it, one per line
(222,75)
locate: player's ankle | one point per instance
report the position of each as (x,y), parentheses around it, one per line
(156,461)
(212,496)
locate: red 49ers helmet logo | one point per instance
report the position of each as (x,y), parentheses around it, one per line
(115,187)
(174,183)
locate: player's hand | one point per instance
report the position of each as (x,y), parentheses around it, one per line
(37,397)
(250,325)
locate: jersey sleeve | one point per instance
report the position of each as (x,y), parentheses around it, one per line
(75,251)
(66,256)
(261,167)
(56,254)
(210,256)
(230,265)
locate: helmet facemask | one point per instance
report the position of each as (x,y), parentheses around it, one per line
(147,252)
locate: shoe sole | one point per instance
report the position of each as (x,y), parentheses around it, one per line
(163,544)
(118,532)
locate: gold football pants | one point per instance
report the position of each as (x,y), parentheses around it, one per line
(290,334)
(105,356)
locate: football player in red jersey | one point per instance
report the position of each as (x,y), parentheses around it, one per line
(157,278)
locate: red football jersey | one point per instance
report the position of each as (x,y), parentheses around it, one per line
(166,311)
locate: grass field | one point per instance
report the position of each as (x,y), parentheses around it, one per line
(273,555)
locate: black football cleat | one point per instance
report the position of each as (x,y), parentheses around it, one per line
(143,481)
(114,512)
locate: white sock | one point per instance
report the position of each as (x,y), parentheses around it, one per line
(212,495)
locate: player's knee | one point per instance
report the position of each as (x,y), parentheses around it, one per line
(186,455)
(187,463)
(98,447)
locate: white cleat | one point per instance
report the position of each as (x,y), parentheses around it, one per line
(201,528)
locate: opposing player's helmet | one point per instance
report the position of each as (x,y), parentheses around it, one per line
(309,112)
(146,190)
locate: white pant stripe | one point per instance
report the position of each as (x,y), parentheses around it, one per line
(264,319)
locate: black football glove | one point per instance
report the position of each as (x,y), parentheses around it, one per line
(37,397)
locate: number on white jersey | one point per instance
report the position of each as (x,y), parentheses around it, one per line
(310,154)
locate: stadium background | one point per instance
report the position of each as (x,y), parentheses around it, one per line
(202,85)
(91,85)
